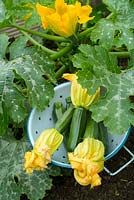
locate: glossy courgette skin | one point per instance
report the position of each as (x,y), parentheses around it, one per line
(103,133)
(63,122)
(91,129)
(82,125)
(75,128)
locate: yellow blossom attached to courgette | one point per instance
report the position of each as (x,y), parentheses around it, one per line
(87,160)
(45,145)
(64,18)
(79,95)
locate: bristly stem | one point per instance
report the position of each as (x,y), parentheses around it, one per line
(121,54)
(43,35)
(45,49)
(84,33)
(61,71)
(62,52)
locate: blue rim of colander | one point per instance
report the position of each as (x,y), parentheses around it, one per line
(65,165)
(118,148)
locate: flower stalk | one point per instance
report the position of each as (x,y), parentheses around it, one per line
(121,54)
(43,35)
(34,42)
(62,52)
(85,33)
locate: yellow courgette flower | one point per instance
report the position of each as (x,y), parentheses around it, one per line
(79,95)
(45,145)
(64,18)
(87,160)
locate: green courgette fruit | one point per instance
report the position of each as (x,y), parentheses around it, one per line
(82,125)
(91,129)
(58,110)
(103,134)
(68,102)
(63,122)
(75,129)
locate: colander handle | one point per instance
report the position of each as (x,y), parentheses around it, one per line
(122,167)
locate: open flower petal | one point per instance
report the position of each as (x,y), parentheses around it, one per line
(43,13)
(87,160)
(64,18)
(83,13)
(79,95)
(44,147)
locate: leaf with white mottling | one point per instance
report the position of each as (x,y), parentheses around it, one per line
(104,31)
(96,66)
(118,29)
(115,108)
(30,69)
(35,186)
(20,44)
(32,74)
(13,179)
(12,103)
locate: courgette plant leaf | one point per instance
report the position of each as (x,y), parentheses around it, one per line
(21,44)
(12,101)
(26,11)
(4,16)
(131,60)
(2,11)
(31,69)
(116,108)
(13,179)
(117,30)
(3,45)
(96,66)
(104,31)
(35,73)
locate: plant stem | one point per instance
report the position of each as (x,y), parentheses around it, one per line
(88,2)
(43,35)
(110,16)
(61,71)
(84,33)
(62,52)
(45,49)
(123,54)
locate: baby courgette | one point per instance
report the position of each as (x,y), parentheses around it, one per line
(63,122)
(75,128)
(58,110)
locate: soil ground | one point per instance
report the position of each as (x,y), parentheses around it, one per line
(118,187)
